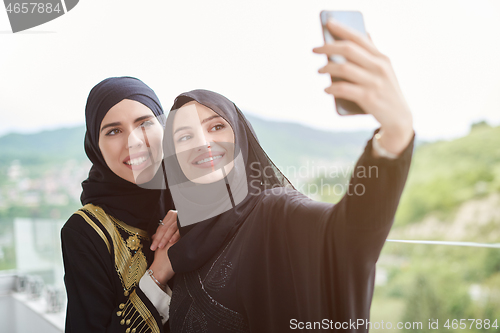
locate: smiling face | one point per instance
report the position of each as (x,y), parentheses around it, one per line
(126,131)
(204,143)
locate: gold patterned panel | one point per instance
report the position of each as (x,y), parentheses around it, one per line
(136,316)
(130,268)
(96,228)
(128,228)
(144,312)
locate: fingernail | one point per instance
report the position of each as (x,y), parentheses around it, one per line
(151,248)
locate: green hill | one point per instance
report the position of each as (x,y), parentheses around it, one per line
(452,194)
(40,173)
(446,174)
(290,144)
(51,146)
(285,142)
(443,175)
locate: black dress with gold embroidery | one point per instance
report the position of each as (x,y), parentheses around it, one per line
(104,260)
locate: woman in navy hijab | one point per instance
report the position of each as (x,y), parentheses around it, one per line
(114,281)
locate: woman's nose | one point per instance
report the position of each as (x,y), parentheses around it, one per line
(203,141)
(135,139)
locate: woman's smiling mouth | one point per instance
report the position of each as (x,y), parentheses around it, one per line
(137,161)
(208,159)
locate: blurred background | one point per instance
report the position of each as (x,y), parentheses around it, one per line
(259,54)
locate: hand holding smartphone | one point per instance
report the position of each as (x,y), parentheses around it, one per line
(369,83)
(354,20)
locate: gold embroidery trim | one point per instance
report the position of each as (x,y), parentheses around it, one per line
(96,228)
(131,230)
(137,316)
(129,268)
(100,214)
(134,243)
(144,312)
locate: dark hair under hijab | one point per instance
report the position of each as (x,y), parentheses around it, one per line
(200,241)
(120,198)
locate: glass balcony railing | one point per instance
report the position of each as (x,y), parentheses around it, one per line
(31,276)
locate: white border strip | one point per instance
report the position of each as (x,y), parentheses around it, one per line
(64,6)
(470,244)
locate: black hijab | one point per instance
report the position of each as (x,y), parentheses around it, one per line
(253,172)
(134,205)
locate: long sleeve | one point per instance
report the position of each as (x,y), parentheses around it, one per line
(376,186)
(97,301)
(363,220)
(316,260)
(159,298)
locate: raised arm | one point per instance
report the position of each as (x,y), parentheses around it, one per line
(370,82)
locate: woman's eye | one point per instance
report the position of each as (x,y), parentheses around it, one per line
(217,127)
(184,138)
(147,123)
(114,131)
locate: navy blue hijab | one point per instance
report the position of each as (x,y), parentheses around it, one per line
(132,204)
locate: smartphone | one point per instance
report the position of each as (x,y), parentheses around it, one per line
(354,20)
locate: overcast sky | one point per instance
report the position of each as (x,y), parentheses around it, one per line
(257,53)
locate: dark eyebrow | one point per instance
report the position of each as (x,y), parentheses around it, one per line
(203,121)
(141,118)
(210,118)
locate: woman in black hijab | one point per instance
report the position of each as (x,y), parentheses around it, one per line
(106,245)
(255,255)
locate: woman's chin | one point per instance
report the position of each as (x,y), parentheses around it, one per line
(209,178)
(145,175)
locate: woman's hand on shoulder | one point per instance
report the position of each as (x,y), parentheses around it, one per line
(371,83)
(166,235)
(161,266)
(167,231)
